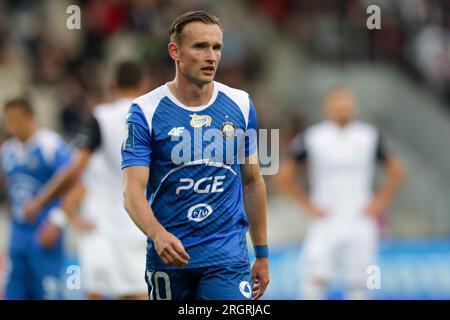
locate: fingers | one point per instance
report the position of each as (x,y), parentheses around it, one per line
(167,259)
(259,288)
(170,258)
(263,286)
(173,258)
(371,212)
(163,258)
(48,235)
(180,249)
(172,252)
(260,283)
(30,209)
(320,213)
(83,225)
(176,258)
(255,290)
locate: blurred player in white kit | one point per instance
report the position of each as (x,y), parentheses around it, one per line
(111,249)
(340,155)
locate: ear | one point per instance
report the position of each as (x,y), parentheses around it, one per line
(174,50)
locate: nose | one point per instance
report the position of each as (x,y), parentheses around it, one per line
(210,55)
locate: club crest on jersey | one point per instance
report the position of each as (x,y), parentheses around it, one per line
(228,129)
(200,121)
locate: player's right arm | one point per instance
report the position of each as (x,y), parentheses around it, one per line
(136,161)
(287,178)
(169,248)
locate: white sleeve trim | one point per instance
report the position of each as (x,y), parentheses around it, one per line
(149,103)
(240,97)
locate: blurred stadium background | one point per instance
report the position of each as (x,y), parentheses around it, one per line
(286,53)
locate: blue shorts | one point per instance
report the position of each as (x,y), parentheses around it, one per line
(222,282)
(34,272)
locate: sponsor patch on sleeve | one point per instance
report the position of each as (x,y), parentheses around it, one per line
(129,136)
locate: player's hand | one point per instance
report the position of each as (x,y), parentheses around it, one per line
(48,234)
(81,224)
(260,277)
(170,249)
(316,213)
(30,209)
(375,208)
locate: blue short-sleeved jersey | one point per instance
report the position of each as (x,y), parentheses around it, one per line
(34,271)
(28,167)
(193,154)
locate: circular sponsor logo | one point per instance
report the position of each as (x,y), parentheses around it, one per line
(245,289)
(199,212)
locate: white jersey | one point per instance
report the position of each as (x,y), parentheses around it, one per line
(103,204)
(341,163)
(96,195)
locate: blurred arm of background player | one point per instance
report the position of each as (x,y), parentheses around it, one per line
(49,232)
(60,183)
(286,180)
(169,247)
(395,174)
(255,207)
(66,184)
(70,204)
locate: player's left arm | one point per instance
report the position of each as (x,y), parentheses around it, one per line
(395,174)
(61,181)
(255,207)
(66,175)
(50,230)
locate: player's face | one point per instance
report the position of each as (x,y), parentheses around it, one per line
(17,122)
(340,107)
(200,51)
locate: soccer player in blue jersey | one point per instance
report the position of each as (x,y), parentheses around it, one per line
(194,205)
(28,160)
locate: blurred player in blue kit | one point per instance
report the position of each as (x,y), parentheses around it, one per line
(28,160)
(196,212)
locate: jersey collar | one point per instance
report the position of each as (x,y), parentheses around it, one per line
(171,96)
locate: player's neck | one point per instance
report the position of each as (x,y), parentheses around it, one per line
(191,94)
(342,124)
(28,134)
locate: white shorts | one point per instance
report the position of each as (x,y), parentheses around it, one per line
(333,245)
(112,268)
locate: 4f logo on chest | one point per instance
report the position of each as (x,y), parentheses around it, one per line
(176,131)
